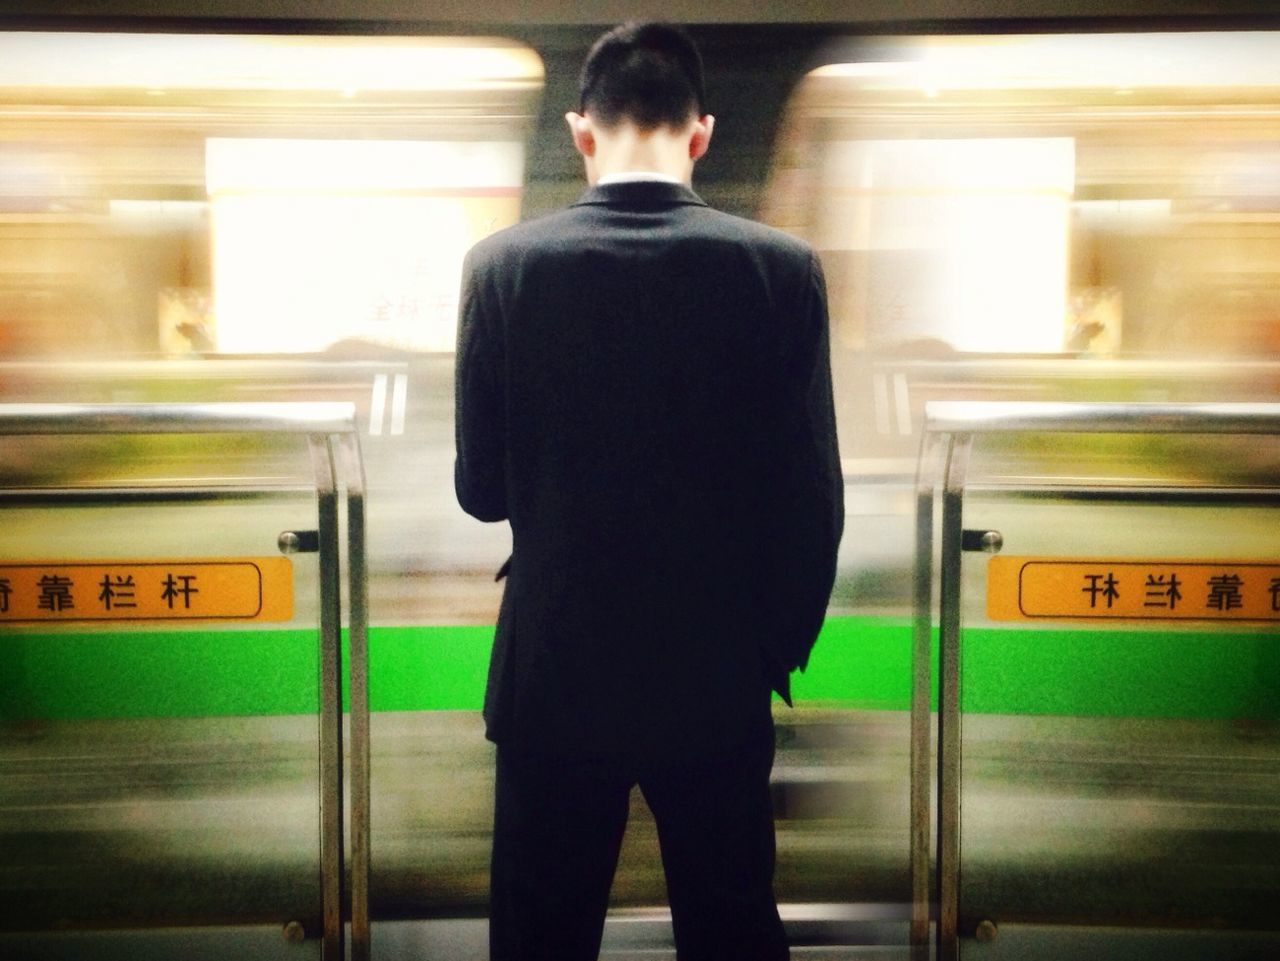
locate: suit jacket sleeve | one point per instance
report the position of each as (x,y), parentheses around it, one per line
(479,414)
(810,485)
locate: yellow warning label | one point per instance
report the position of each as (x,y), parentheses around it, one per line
(243,589)
(1024,588)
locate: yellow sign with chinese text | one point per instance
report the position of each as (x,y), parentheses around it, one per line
(1026,588)
(242,589)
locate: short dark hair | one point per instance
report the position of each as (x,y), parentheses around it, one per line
(647,73)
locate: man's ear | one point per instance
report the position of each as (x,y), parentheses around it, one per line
(584,140)
(701,139)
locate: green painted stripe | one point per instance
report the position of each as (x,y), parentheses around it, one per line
(1197,674)
(858,663)
(196,673)
(203,673)
(866,663)
(428,668)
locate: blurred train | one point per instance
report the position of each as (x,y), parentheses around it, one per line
(1079,204)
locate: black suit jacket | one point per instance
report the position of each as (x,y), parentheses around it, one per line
(644,391)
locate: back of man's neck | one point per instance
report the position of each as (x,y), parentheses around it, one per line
(627,150)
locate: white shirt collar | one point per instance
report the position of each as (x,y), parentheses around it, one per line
(636,176)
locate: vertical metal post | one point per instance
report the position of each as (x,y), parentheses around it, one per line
(329,428)
(358,593)
(927,479)
(331,860)
(948,944)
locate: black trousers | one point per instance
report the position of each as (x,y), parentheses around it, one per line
(558,828)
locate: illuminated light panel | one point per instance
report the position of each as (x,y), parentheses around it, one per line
(966,241)
(320,241)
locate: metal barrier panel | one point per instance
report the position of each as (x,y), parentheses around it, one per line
(330,431)
(949,433)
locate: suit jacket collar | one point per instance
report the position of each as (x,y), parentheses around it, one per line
(640,193)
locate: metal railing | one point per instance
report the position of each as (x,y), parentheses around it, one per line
(333,443)
(949,431)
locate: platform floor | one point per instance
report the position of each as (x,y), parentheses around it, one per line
(646,936)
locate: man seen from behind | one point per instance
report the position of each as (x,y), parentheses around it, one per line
(644,393)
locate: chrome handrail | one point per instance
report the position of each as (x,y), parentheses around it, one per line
(949,431)
(309,417)
(991,417)
(333,440)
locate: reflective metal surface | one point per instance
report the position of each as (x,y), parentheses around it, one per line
(955,425)
(959,417)
(352,470)
(31,419)
(949,718)
(230,418)
(332,848)
(928,470)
